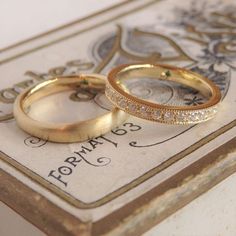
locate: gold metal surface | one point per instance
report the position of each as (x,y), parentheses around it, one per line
(120,96)
(66,132)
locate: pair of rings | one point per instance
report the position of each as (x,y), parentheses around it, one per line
(124,102)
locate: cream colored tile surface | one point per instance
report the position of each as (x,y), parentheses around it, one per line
(28,18)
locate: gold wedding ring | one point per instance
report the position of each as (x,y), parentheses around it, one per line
(66,132)
(119,95)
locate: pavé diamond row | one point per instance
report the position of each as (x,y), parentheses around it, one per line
(122,99)
(160,115)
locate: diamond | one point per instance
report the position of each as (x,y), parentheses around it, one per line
(109,93)
(114,97)
(208,112)
(122,103)
(201,115)
(168,116)
(181,117)
(132,107)
(144,111)
(156,114)
(193,116)
(214,110)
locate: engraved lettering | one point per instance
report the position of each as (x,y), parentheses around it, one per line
(23,85)
(8,95)
(94,143)
(64,170)
(132,126)
(36,76)
(58,177)
(108,140)
(80,65)
(57,71)
(72,161)
(119,131)
(84,151)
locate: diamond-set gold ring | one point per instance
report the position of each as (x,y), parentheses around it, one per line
(120,96)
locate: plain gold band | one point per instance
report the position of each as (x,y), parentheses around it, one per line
(66,132)
(119,95)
